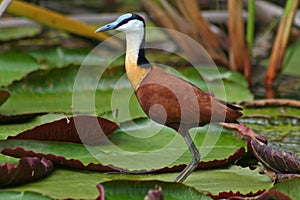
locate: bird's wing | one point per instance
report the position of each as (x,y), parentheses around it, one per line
(167,98)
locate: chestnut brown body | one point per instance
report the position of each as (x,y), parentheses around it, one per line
(171,100)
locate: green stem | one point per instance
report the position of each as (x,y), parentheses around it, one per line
(250,25)
(288,7)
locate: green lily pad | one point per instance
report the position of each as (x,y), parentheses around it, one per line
(274,111)
(290,188)
(13,33)
(68,88)
(135,190)
(22,195)
(62,57)
(14,65)
(63,184)
(145,146)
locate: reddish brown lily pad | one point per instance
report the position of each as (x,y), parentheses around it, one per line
(276,160)
(20,118)
(3,96)
(80,129)
(260,195)
(28,169)
(235,195)
(20,152)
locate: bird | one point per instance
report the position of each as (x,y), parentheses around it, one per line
(165,98)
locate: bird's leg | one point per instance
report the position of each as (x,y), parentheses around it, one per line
(195,159)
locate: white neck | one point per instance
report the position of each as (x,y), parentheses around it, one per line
(133,44)
(135,73)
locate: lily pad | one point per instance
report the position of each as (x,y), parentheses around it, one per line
(62,57)
(19,118)
(145,146)
(13,33)
(15,65)
(290,188)
(78,129)
(7,130)
(126,189)
(28,169)
(67,89)
(279,161)
(23,195)
(63,184)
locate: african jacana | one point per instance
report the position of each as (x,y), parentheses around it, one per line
(165,98)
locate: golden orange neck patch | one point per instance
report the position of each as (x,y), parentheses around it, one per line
(135,73)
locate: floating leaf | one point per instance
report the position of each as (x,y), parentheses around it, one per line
(21,118)
(28,169)
(22,195)
(145,146)
(62,57)
(14,65)
(63,184)
(79,129)
(290,188)
(126,189)
(279,161)
(14,129)
(54,90)
(13,33)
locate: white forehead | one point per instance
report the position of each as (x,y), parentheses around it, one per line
(131,25)
(123,17)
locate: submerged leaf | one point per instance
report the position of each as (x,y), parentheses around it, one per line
(279,161)
(245,131)
(28,169)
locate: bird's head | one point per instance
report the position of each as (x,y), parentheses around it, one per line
(126,22)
